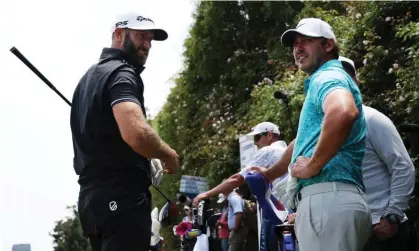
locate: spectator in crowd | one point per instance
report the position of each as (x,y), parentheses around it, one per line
(389,178)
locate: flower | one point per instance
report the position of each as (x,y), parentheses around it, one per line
(358,16)
(365,61)
(268,81)
(388,19)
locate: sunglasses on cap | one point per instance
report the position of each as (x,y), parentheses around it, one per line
(257,137)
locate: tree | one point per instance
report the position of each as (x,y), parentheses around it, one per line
(234,61)
(68,235)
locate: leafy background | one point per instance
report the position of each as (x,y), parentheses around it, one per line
(234,62)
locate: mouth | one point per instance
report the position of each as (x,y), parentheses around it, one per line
(142,52)
(301,57)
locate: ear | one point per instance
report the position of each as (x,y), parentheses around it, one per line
(269,135)
(330,45)
(119,34)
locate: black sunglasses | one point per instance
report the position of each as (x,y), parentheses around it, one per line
(257,137)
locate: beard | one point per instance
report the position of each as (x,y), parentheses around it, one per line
(312,63)
(130,49)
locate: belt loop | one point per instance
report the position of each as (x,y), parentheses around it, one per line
(335,189)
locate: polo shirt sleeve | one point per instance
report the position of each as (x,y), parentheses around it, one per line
(123,87)
(388,144)
(260,159)
(323,88)
(236,204)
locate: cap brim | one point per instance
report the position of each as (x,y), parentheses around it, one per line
(288,36)
(253,133)
(159,34)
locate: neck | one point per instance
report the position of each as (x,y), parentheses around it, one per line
(321,62)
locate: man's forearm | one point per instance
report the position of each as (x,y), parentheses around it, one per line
(149,144)
(281,167)
(402,185)
(137,133)
(227,186)
(335,130)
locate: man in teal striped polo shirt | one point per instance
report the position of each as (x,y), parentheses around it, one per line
(326,156)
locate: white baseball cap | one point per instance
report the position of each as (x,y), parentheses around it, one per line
(264,127)
(349,61)
(221,198)
(139,22)
(311,27)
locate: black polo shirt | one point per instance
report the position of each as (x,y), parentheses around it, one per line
(101,156)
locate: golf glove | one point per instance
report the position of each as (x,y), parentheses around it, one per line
(156,172)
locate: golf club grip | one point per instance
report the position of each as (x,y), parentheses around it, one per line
(22,58)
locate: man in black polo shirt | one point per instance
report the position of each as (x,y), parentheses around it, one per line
(113,143)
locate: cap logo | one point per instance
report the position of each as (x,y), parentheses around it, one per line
(301,24)
(121,23)
(113,206)
(141,18)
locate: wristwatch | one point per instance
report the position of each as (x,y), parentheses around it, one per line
(393,219)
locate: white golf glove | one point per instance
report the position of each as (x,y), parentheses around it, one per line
(291,188)
(156,172)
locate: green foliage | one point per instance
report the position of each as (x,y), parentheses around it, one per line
(68,235)
(234,62)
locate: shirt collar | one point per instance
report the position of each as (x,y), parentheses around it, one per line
(280,143)
(113,53)
(330,63)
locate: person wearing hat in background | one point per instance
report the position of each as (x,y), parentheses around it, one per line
(327,155)
(187,244)
(266,137)
(113,143)
(188,214)
(389,178)
(222,224)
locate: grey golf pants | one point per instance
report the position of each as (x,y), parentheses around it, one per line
(332,216)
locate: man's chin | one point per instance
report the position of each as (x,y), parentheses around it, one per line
(304,68)
(141,61)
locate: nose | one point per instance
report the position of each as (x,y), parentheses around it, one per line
(298,48)
(147,44)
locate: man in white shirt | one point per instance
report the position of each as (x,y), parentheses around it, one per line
(389,178)
(266,136)
(270,150)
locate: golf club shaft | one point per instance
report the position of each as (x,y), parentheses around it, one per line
(160,192)
(22,58)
